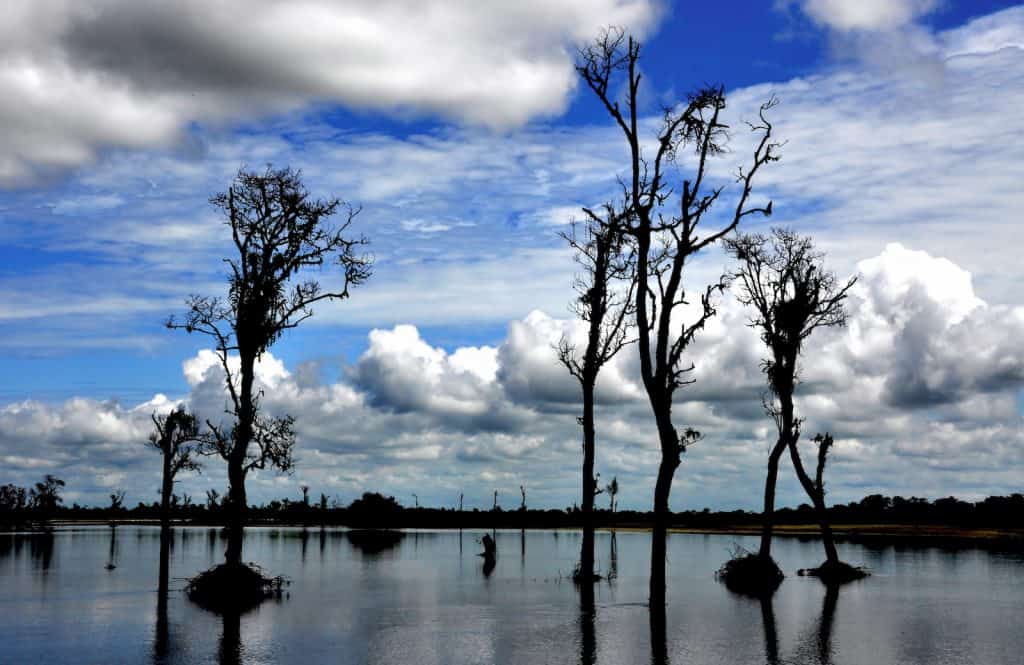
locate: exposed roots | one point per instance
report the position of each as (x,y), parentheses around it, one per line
(835,573)
(233,588)
(750,574)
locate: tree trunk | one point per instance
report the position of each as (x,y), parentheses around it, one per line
(817,497)
(662,488)
(659,634)
(237,503)
(165,492)
(768,517)
(587,548)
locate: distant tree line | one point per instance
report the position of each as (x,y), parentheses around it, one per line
(21,506)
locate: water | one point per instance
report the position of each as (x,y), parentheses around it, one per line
(427,601)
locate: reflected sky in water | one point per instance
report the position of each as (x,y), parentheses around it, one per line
(91,595)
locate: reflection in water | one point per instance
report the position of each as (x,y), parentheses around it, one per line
(304,538)
(828,613)
(230,649)
(161,639)
(112,555)
(659,638)
(371,542)
(40,547)
(771,636)
(432,606)
(613,558)
(323,542)
(522,549)
(588,615)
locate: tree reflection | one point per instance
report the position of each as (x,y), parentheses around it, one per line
(828,613)
(659,637)
(588,616)
(771,636)
(230,649)
(161,639)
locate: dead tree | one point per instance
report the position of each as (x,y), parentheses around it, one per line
(177,439)
(604,301)
(782,278)
(278,231)
(666,232)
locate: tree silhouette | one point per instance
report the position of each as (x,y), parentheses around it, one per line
(605,259)
(782,278)
(45,496)
(666,236)
(177,439)
(613,490)
(278,231)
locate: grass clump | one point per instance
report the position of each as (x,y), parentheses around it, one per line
(835,572)
(233,587)
(749,573)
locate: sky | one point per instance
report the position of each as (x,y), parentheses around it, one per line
(461,130)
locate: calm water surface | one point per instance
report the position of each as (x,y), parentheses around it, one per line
(427,601)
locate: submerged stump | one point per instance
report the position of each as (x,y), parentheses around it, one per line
(233,587)
(750,574)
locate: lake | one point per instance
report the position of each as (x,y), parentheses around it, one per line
(427,600)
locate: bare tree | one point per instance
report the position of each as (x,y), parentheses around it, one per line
(604,301)
(117,501)
(666,235)
(782,278)
(613,490)
(177,438)
(279,231)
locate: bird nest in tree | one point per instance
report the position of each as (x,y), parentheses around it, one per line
(836,572)
(749,573)
(233,587)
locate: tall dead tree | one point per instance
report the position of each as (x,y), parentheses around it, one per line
(177,438)
(604,301)
(783,279)
(667,232)
(278,231)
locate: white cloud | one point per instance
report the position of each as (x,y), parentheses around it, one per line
(867,14)
(920,390)
(82,77)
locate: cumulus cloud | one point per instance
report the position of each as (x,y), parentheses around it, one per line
(409,416)
(866,14)
(81,77)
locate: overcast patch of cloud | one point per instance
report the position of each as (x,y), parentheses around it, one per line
(77,78)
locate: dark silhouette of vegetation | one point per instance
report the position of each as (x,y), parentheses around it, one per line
(233,588)
(612,489)
(666,234)
(279,231)
(782,278)
(750,573)
(605,260)
(374,541)
(45,497)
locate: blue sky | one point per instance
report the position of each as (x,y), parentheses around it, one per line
(464,136)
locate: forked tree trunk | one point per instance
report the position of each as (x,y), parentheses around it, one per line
(768,516)
(817,496)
